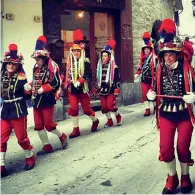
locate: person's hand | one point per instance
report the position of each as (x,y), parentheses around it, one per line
(27,87)
(77,84)
(151,95)
(136,76)
(40,90)
(189,98)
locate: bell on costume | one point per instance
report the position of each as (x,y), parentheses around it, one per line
(169,108)
(165,108)
(181,107)
(174,108)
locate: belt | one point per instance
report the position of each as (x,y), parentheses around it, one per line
(12,100)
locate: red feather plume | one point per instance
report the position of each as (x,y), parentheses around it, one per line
(13,47)
(146,35)
(43,39)
(168,25)
(111,43)
(77,35)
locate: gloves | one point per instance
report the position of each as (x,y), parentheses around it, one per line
(151,95)
(27,87)
(189,98)
(77,84)
(45,89)
(136,76)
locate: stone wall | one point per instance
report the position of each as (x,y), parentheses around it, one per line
(144,13)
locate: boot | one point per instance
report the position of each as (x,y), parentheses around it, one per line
(147,112)
(47,147)
(109,123)
(30,163)
(94,126)
(3,171)
(119,119)
(75,133)
(45,150)
(147,108)
(171,184)
(186,184)
(63,140)
(2,161)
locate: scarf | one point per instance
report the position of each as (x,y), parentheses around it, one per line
(110,71)
(75,68)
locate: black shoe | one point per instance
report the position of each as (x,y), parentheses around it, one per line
(186,190)
(29,167)
(43,152)
(64,144)
(4,173)
(167,191)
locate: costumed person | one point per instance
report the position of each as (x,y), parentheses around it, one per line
(78,74)
(45,88)
(108,83)
(14,109)
(146,70)
(175,101)
(189,47)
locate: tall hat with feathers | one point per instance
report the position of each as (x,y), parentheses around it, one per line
(147,40)
(77,40)
(12,55)
(40,48)
(168,40)
(110,45)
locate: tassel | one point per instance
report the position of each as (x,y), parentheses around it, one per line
(165,108)
(174,108)
(180,107)
(169,108)
(185,105)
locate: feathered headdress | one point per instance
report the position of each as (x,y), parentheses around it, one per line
(147,41)
(12,55)
(168,40)
(110,45)
(40,47)
(77,40)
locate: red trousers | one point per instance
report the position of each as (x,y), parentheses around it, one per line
(167,134)
(84,99)
(20,128)
(43,118)
(145,88)
(108,103)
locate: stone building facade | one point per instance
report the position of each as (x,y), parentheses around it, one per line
(144,13)
(143,16)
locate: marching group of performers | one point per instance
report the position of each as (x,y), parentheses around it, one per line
(167,83)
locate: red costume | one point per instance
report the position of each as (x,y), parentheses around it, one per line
(108,83)
(175,99)
(146,70)
(44,87)
(78,74)
(14,110)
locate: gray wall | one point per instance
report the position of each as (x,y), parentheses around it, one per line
(144,13)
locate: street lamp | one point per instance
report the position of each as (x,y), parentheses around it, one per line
(193,7)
